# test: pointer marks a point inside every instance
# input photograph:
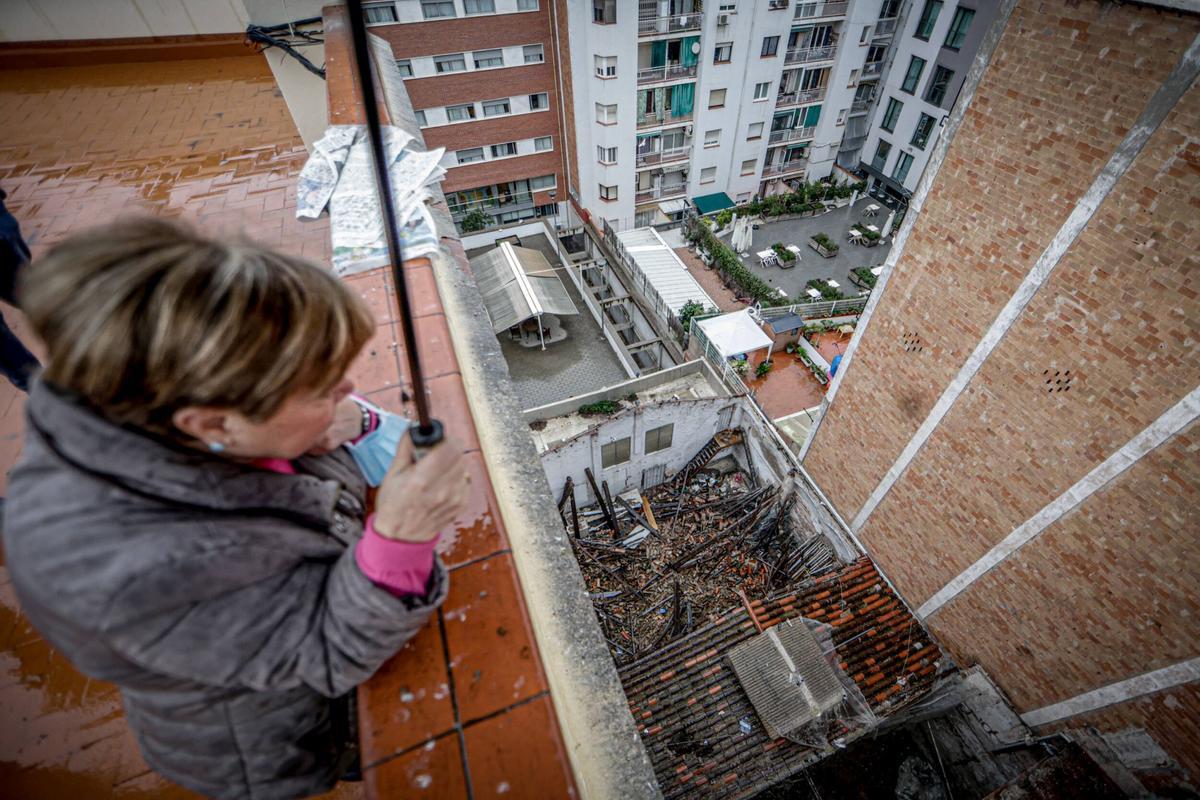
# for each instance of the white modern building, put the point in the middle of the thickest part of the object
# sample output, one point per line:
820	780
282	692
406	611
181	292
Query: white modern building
730	97
934	48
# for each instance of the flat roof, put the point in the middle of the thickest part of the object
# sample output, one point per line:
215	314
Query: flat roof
663	269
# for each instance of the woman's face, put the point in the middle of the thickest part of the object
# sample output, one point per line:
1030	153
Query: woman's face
294	429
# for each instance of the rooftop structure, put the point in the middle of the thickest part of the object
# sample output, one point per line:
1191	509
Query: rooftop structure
666	278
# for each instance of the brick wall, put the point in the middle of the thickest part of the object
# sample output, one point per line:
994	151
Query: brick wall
1108	591
478	33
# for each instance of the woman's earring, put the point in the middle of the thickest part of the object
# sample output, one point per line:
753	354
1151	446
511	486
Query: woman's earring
216	447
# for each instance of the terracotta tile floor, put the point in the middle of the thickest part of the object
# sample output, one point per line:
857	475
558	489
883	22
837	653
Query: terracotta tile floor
209	140
790	386
710	281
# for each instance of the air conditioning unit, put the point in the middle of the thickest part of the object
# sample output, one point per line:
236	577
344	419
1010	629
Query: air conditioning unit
724	19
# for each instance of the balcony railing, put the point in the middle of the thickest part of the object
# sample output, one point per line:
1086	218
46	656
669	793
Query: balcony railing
792	134
851	143
817	10
860	106
775	170
669	72
657	118
512	202
661	192
804	55
800	97
664	156
885	27
872	68
672	23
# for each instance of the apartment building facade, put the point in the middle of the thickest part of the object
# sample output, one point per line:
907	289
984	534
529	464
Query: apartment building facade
934	46
1014	433
483	82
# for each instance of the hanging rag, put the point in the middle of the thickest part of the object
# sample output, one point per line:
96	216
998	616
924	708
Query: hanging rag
339	175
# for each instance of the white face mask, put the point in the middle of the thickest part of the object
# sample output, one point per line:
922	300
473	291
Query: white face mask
374	452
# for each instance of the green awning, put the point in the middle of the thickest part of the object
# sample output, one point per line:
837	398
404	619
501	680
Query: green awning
709	203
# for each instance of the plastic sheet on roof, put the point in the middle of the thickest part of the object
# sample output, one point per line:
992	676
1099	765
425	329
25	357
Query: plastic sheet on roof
733	334
517	284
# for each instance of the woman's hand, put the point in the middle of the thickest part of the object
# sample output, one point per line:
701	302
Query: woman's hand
346	426
416	500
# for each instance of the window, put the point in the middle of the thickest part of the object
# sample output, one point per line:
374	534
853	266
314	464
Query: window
761	90
841	117
489	58
606	114
606	67
921	134
421	118
542	182
708	174
913	76
716	98
606	155
875	54
540	102
543	143
616	452
404	66
712	138
610	193
853	79
890	8
958	27
724	53
748	166
659	438
435	9
467	156
504	150
881	155
527	5
728	8
862	37
378	13
479	7
891	115
604	12
770	46
929	16
496	108
902	165
754	131
451	63
938	84
534	54
460	113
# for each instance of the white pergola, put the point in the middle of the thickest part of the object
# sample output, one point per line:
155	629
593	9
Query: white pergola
518	284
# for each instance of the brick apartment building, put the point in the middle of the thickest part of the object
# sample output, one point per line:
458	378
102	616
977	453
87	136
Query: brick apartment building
482	77
1015	433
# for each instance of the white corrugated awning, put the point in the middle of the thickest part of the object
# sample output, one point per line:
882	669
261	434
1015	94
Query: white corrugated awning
733	334
666	273
673	206
517	284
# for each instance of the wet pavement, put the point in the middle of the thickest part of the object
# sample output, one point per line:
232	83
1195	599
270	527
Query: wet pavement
208	140
790	386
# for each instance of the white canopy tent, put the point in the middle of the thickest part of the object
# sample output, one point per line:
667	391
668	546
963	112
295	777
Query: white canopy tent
518	284
736	333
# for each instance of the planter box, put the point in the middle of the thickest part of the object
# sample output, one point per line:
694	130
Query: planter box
824	253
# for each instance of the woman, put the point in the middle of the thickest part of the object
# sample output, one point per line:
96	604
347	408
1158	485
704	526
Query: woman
184	521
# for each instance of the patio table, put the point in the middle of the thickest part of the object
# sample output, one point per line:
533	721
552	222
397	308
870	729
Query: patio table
795	250
813	293
833	284
766	256
872	229
876	271
871	210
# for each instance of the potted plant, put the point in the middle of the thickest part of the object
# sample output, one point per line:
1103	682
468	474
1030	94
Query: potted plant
823	245
475	220
862	276
763	368
740	366
786	256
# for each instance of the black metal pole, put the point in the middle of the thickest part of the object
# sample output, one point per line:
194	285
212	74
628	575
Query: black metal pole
428	431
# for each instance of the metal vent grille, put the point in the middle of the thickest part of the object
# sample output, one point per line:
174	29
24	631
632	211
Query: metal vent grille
788	681
1057	380
912	342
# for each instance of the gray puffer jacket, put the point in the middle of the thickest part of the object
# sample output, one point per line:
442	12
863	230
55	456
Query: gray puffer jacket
224	600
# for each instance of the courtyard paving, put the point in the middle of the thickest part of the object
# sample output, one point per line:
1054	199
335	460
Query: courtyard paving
833	224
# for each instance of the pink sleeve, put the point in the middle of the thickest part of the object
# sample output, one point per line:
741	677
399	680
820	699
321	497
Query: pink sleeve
403	568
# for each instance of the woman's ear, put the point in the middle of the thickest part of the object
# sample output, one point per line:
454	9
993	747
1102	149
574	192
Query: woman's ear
204	423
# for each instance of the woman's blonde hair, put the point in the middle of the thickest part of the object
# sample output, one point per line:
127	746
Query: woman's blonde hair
144	317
